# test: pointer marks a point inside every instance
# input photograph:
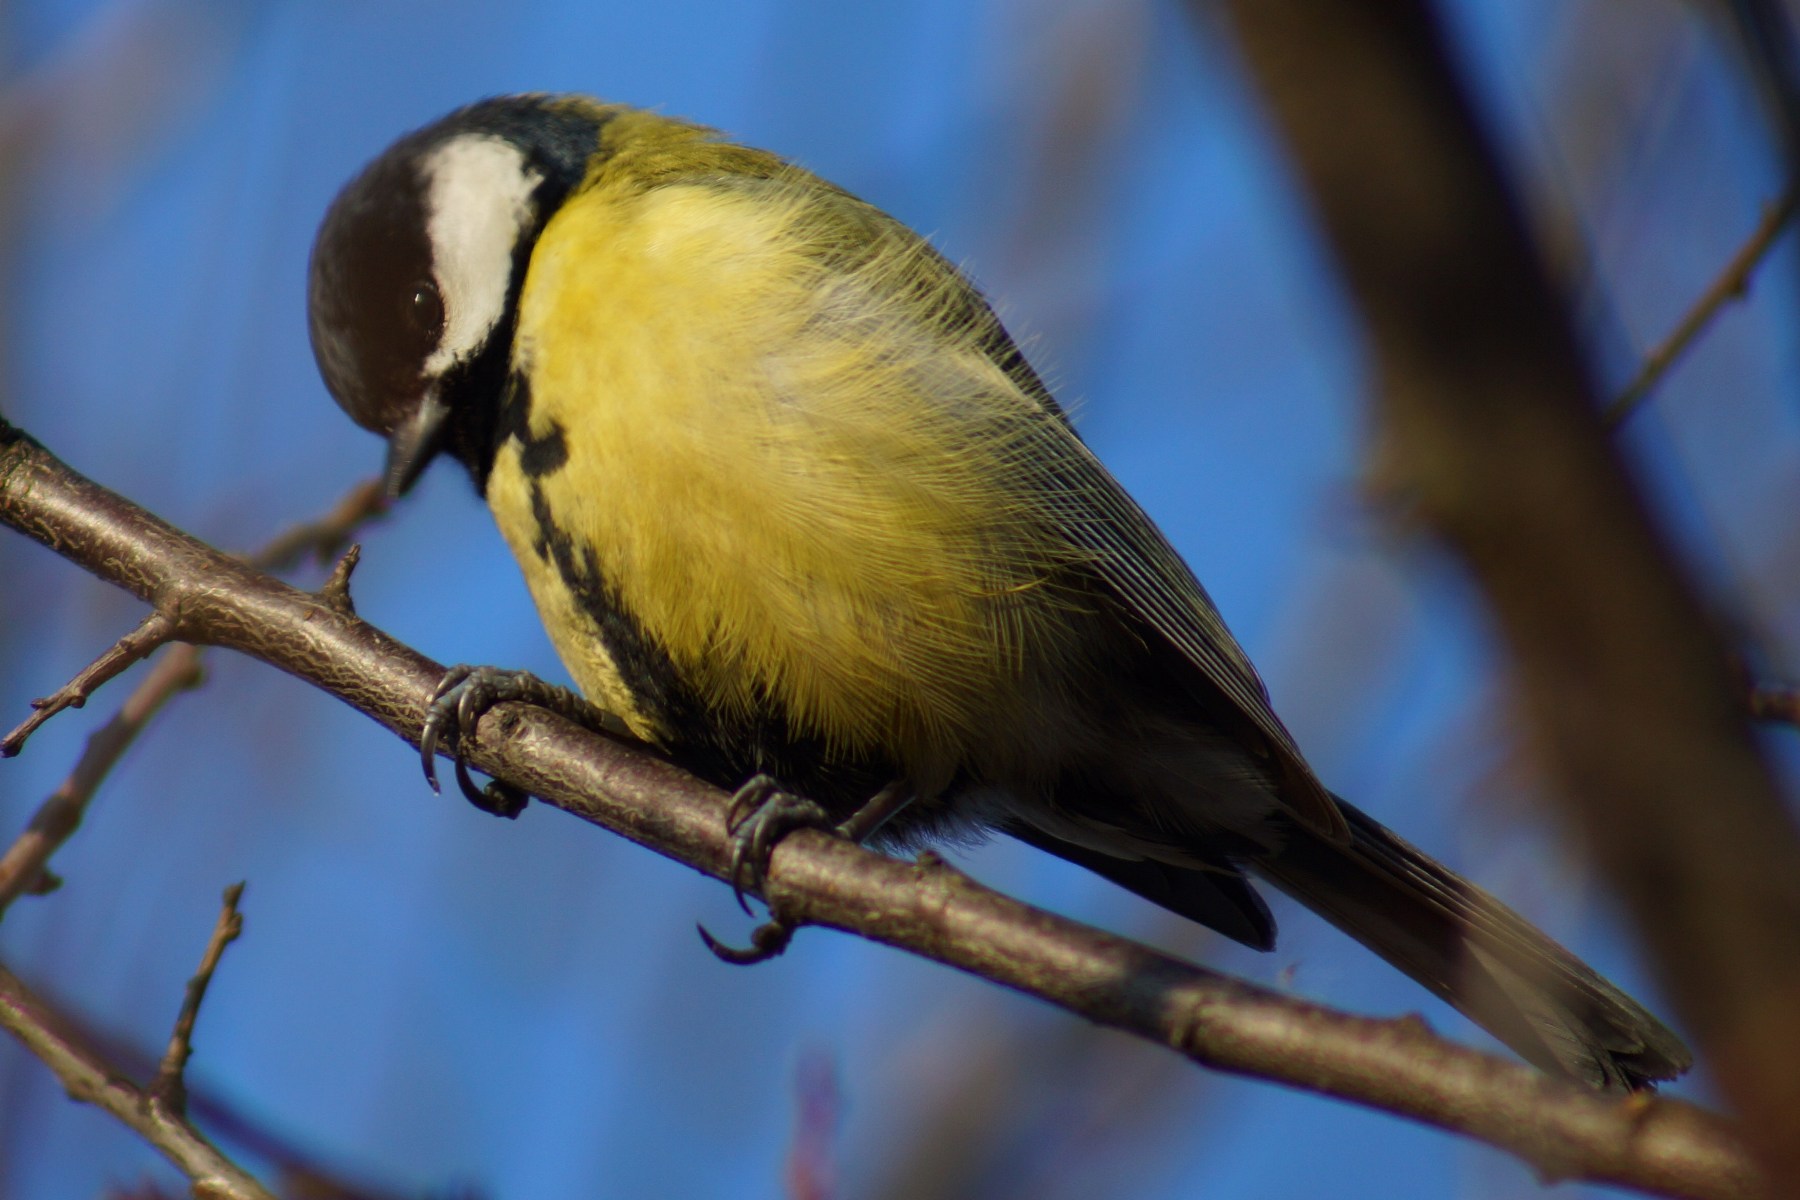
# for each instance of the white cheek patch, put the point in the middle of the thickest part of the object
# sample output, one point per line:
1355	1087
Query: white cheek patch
478	191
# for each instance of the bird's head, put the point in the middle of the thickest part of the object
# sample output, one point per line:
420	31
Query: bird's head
416	271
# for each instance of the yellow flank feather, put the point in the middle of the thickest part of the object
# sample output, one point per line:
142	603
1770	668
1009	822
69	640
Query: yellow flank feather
801	474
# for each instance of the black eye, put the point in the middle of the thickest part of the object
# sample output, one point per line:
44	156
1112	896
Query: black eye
426	311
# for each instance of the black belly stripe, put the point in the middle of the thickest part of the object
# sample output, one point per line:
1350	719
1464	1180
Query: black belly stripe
723	748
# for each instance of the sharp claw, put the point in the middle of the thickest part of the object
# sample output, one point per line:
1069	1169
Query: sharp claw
466	783
737	881
748	800
461	698
504	800
767	941
453	679
474	700
428	744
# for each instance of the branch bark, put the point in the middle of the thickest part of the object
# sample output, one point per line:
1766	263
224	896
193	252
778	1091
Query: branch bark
91	1079
1564	1131
1490	426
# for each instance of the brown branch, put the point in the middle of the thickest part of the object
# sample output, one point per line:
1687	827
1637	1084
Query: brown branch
23	866
169	1087
150	635
1561	1129
301	1173
1775	704
1731	284
325	537
1490	424
91	1080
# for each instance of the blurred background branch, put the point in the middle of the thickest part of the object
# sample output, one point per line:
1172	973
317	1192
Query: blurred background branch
94	1080
1489	425
1732	284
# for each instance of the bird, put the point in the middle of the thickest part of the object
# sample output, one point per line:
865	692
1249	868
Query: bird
797	513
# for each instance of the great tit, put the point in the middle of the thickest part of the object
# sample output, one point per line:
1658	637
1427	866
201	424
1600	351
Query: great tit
796	511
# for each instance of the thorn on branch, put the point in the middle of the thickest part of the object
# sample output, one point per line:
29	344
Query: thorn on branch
335	594
152	632
168	1090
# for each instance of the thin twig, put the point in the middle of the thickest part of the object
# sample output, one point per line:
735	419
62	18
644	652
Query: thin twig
1732	283
321	539
23	864
336	590
299	1170
1562	1129
152	632
92	1080
169	1087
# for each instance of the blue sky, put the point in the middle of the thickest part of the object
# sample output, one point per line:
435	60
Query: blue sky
426	998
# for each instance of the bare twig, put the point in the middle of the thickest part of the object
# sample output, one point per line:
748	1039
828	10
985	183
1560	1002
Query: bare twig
1731	284
93	1081
152	632
169	1088
23	866
302	1175
320	539
1489	425
336	590
1563	1130
56	820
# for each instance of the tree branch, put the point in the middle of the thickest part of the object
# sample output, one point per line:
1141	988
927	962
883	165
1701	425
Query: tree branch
92	1080
1490	425
1561	1129
168	1090
23	868
300	1173
1731	284
152	633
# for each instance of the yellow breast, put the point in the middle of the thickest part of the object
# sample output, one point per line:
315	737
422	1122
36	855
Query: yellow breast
792	465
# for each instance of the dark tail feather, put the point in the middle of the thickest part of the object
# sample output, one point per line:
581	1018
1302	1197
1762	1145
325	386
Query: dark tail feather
1476	954
1223	900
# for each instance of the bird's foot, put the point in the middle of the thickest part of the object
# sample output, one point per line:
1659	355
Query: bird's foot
457	705
767	941
762	812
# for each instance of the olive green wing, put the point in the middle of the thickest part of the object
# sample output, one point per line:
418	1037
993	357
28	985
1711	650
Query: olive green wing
1120	544
1137	564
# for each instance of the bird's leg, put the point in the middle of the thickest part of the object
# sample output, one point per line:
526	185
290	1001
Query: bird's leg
762	812
880	808
457	704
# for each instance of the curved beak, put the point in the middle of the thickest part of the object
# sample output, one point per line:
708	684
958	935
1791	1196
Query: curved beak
413	445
